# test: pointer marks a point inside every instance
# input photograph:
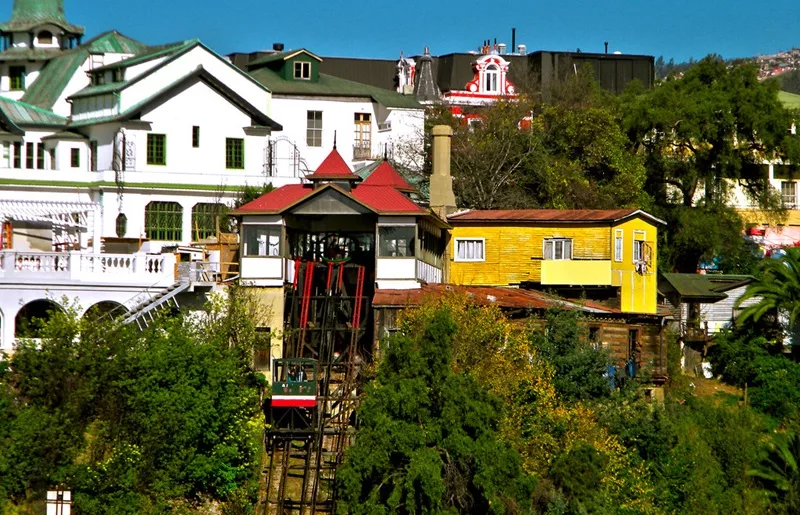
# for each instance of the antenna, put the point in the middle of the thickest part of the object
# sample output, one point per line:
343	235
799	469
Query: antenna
385	151
334	140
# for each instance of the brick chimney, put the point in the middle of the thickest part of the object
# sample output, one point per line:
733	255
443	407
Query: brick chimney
443	200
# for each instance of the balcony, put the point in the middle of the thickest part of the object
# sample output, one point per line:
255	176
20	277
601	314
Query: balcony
567	272
362	150
138	270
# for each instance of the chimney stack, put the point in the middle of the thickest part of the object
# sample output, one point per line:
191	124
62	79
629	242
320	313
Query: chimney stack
443	200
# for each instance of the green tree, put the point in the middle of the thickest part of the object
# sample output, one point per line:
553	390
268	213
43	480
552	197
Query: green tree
779	474
702	136
428	440
777	290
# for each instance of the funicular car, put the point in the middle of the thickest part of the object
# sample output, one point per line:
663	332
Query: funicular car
294	393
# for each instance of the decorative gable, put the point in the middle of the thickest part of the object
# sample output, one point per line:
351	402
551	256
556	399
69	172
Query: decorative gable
491	76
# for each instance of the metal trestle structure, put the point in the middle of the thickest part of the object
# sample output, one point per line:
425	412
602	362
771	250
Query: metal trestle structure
326	319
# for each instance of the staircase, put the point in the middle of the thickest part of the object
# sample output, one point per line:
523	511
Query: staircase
146	311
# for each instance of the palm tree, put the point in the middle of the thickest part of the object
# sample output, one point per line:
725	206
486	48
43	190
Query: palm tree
779	472
777	291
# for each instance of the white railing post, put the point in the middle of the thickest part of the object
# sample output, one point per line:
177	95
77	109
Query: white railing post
74	260
139	264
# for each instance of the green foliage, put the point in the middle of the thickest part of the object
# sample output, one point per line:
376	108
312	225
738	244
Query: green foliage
701	135
132	422
778	474
579	367
777	290
428	440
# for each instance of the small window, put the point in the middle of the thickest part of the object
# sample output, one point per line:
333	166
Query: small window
492	79
204	220
29	155
17	154
234	153
302	70
558	248
163	221
618	241
262	240
40	156
789	193
261	349
470	249
156	149
93	154
99	79
399	241
5	161
314	128
639	246
195	136
75	157
16	77
45	37
121	225
116	75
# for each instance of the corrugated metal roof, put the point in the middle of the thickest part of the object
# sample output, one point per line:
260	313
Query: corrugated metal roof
703	286
281	56
99	90
548	215
504	297
28	14
276	200
386	175
22	113
114	42
54	77
29	54
151	53
328	85
333	167
385	199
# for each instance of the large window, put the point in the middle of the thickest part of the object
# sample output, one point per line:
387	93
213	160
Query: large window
314	128
362	139
156	149
16	75
618	241
163	221
397	241
789	193
470	249
234	153
302	70
558	248
204	220
262	240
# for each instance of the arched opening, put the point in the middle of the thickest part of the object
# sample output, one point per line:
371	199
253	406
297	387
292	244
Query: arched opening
45	37
29	320
491	79
122	225
104	310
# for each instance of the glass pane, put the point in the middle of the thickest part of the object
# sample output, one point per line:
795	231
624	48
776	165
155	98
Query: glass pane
397	241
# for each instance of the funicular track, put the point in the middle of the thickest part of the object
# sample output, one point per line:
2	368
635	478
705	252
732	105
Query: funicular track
326	319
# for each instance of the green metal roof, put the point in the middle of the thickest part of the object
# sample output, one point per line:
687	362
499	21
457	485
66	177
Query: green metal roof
704	287
89	91
29	14
54	77
56	74
21	113
281	56
29	54
151	53
328	85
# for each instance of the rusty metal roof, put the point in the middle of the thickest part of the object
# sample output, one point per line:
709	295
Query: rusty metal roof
549	215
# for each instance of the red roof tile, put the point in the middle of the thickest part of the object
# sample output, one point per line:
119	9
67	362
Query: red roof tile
386	175
385	199
332	168
543	215
276	200
504	297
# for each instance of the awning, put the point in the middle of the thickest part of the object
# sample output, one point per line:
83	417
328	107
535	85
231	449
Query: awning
62	214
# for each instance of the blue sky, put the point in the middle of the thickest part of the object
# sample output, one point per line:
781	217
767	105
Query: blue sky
381	29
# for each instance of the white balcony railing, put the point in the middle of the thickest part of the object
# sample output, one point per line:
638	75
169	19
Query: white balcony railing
63	267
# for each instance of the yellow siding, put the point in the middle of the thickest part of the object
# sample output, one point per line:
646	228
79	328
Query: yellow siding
638	288
514	254
270	313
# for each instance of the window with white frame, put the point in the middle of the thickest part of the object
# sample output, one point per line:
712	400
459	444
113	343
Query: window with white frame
470	249
397	241
262	240
558	248
639	246
491	78
314	128
618	242
302	70
789	193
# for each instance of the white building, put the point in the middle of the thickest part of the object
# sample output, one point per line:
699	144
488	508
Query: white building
111	151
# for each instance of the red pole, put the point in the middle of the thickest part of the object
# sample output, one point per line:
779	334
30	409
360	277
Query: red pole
330	274
307	294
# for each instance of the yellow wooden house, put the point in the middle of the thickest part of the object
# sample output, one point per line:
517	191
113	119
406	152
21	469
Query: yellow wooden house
600	254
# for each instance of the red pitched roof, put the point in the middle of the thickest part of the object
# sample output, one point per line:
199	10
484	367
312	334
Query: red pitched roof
385	199
547	215
277	200
332	168
504	297
386	175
